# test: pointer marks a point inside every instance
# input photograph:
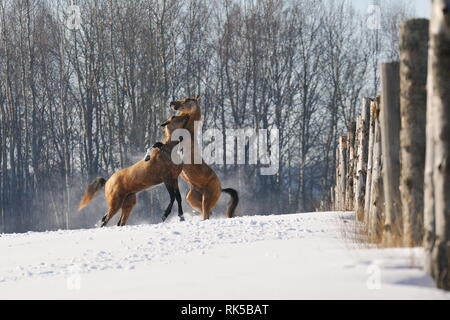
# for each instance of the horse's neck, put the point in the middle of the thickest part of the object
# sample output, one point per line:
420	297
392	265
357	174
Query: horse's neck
197	114
167	138
193	117
189	126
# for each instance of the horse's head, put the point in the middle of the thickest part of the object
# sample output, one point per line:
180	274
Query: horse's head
148	155
174	123
188	106
170	125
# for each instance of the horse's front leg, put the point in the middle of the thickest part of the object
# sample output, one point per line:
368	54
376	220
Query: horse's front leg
172	200
180	207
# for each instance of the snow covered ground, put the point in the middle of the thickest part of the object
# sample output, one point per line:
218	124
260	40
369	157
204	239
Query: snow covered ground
302	256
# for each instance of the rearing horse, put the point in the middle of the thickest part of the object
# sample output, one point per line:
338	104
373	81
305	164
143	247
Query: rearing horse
205	188
122	186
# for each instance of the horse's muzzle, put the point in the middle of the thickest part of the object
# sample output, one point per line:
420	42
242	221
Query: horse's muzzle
174	105
147	155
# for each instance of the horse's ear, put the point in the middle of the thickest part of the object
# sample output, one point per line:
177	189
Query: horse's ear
197	98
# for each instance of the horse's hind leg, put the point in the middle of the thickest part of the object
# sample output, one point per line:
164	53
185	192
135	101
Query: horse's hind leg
194	198
108	215
209	201
127	205
114	206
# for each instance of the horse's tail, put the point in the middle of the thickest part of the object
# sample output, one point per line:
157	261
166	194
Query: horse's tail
233	203
91	190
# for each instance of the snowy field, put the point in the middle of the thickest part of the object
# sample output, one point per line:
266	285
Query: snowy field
303	256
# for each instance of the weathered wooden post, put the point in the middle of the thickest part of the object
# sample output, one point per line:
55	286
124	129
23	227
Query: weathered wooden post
413	101
377	203
336	185
356	161
332	200
390	138
362	158
349	191
367	202
437	166
342	174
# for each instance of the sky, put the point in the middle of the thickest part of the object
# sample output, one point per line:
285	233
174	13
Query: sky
422	7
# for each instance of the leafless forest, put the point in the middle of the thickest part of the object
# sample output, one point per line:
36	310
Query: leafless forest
76	104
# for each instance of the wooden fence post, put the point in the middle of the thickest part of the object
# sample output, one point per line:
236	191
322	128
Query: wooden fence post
413	101
367	201
377	204
342	174
390	137
362	158
356	162
336	185
349	192
332	200
437	167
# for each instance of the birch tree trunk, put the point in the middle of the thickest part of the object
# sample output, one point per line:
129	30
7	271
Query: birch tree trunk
413	101
437	171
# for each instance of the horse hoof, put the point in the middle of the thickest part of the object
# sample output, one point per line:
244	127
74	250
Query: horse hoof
164	218
182	219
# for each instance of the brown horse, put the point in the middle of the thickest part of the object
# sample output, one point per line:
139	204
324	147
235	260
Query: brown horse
205	188
122	186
